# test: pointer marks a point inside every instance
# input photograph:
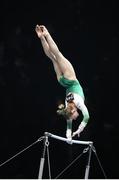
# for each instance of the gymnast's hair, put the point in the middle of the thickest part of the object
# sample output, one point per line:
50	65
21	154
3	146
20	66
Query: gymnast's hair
65	111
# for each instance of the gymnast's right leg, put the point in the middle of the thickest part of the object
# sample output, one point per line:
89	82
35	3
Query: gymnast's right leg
65	66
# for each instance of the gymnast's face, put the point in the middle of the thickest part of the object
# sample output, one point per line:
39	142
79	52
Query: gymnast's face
73	111
75	114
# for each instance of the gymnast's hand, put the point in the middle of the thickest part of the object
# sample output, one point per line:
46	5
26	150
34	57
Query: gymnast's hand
76	133
80	129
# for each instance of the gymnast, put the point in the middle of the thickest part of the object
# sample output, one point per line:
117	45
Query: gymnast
66	76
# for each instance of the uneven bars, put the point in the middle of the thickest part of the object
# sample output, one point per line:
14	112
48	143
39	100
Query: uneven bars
66	140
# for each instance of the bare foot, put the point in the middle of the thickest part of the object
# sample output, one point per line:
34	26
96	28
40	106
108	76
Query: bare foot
39	31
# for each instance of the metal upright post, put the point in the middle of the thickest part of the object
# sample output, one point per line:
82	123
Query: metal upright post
88	163
42	161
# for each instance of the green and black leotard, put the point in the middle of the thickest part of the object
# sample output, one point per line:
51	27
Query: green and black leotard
74	88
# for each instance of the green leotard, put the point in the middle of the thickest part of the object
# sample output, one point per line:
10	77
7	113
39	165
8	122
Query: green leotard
71	86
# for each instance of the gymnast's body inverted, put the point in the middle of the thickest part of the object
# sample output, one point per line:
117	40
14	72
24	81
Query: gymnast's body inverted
67	78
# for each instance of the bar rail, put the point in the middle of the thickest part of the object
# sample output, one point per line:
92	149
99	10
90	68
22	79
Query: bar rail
66	140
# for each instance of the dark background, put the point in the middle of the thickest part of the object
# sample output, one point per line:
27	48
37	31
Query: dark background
86	32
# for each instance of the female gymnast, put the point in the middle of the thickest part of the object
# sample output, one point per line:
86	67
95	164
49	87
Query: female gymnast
67	78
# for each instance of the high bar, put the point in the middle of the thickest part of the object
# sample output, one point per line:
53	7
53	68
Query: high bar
66	140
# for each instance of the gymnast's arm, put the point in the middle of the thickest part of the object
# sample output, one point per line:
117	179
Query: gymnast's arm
85	120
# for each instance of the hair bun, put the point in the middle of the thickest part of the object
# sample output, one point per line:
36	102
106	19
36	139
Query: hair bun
61	106
61	109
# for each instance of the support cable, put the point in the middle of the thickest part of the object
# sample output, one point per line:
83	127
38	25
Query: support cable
94	150
79	156
8	160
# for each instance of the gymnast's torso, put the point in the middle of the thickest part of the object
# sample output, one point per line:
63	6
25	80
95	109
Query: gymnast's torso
72	86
